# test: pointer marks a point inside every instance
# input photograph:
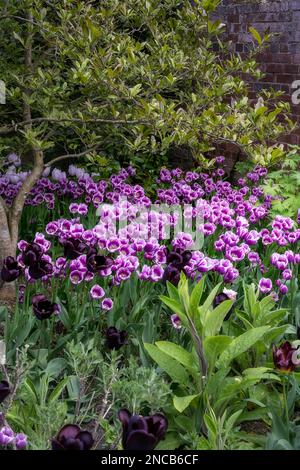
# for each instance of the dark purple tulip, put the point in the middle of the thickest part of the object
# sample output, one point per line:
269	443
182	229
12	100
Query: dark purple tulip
283	357
4	390
43	308
71	437
40	269
96	263
115	339
219	299
32	254
174	258
142	433
73	248
172	274
10	270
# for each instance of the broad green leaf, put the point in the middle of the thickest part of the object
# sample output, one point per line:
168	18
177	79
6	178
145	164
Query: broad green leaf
214	346
175	370
172	291
170	442
175	307
274	333
176	352
214	318
55	366
241	344
181	403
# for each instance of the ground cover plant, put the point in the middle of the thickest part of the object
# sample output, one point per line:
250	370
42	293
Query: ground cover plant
138	327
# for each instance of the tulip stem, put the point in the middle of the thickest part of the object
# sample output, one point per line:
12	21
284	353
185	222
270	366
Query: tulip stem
284	392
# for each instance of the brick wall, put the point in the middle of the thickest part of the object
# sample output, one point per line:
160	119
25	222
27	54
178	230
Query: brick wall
281	61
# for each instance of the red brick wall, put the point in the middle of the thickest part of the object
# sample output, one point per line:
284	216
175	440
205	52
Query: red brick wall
281	62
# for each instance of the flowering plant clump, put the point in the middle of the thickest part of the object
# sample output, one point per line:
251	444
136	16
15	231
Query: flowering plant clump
201	263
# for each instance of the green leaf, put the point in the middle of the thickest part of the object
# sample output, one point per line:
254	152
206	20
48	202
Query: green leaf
172	291
241	344
134	91
55	366
177	373
183	290
256	35
170	442
196	297
176	352
55	394
203	309
181	403
173	305
214	318
230	422
214	346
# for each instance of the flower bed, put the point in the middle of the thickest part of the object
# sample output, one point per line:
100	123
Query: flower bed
197	279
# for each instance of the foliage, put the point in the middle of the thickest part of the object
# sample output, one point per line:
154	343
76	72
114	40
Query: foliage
127	81
284	184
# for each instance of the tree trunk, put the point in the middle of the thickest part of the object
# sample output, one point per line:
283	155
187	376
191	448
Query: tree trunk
9	224
7	290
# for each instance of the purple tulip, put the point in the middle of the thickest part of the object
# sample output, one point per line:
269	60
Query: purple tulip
73	248
10	270
115	339
283	357
43	308
176	322
107	304
265	285
142	433
71	437
96	263
97	292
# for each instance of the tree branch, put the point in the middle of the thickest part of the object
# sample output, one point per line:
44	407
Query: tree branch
19	201
15	126
71	155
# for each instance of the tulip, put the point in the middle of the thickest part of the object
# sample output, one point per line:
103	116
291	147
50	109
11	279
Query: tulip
40	269
97	263
142	433
4	390
71	437
10	270
97	292
283	357
73	248
176	322
172	275
265	285
107	304
115	339
43	308
32	254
